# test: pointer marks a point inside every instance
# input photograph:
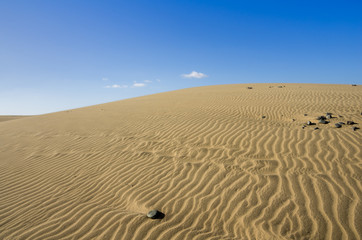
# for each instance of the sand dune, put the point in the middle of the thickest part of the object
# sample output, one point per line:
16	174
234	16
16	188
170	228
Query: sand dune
10	117
203	156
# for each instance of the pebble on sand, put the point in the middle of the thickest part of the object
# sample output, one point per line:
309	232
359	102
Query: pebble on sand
338	125
155	214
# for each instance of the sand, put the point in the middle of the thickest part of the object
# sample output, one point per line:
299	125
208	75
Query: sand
10	117
203	156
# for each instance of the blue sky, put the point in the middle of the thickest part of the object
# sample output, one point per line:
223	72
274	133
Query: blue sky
57	55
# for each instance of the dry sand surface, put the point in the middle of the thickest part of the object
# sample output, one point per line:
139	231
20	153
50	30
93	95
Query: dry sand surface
203	156
10	117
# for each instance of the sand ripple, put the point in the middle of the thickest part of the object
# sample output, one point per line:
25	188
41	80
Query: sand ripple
203	156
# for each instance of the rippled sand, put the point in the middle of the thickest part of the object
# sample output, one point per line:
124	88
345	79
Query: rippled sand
203	156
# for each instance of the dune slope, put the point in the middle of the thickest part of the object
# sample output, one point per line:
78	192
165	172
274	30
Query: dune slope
203	156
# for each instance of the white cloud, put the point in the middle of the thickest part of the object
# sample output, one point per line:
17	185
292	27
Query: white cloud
139	84
194	74
147	81
116	86
104	79
158	80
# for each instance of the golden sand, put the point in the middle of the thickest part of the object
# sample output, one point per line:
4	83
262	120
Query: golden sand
203	156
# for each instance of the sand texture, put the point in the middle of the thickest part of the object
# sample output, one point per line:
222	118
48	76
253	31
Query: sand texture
203	156
10	117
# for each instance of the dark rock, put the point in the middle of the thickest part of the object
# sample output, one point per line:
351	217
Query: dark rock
338	125
322	121
263	117
329	116
309	123
355	128
342	123
305	114
354	85
250	88
321	118
350	123
316	128
155	214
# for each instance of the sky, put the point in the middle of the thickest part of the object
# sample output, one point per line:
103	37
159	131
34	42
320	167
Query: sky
57	55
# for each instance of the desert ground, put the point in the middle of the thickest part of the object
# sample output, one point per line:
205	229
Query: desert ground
221	162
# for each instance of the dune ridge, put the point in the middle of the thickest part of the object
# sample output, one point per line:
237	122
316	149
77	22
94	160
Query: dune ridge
204	156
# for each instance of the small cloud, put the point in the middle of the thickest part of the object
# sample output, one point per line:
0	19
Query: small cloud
147	81
104	79
139	84
194	74
116	86
158	80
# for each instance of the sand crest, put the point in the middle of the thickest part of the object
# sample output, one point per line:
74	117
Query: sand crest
203	156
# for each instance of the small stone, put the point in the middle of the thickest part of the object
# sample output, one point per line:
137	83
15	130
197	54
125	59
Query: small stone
342	123
309	123
155	214
322	121
354	85
354	128
350	122
321	118
338	125
250	88
263	117
316	128
329	116
305	114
